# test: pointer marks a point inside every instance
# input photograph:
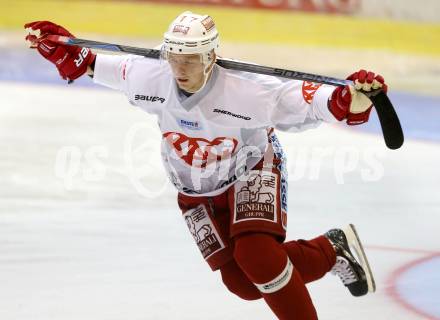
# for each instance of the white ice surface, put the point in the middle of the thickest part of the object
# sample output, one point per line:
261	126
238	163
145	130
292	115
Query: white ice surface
94	248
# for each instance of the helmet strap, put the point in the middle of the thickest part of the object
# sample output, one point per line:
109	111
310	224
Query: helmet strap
206	71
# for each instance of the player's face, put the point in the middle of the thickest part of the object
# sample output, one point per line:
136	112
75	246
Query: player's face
188	70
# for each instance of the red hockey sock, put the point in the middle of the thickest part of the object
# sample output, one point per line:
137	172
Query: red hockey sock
313	258
238	283
266	264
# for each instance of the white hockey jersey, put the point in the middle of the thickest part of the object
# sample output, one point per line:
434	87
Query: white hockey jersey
212	137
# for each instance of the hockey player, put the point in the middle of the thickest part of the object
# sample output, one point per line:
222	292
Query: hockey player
221	153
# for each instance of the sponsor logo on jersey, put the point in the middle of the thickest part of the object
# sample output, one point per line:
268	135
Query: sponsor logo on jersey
193	125
279	154
149	98
309	89
203	231
228	113
255	197
200	152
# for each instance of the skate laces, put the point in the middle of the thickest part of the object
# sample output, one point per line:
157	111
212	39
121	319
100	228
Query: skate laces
343	269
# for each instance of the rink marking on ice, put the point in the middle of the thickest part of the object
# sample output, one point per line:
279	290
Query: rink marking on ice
392	286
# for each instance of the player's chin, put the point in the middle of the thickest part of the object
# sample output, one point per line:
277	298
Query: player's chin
184	86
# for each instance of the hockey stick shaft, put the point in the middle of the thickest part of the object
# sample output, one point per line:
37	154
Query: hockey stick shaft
225	63
391	128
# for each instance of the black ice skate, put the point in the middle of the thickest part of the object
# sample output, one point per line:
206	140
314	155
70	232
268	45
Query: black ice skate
354	273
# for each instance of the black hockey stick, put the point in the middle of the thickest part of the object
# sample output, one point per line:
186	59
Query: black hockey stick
391	129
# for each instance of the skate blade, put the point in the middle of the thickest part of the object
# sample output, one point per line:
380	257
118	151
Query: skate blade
355	243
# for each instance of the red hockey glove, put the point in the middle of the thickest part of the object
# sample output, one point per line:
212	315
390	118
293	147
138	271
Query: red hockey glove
71	62
349	103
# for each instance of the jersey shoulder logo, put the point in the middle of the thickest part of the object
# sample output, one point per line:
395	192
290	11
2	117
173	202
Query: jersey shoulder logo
124	71
309	89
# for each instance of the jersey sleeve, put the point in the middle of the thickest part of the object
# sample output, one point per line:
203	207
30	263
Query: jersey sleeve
110	71
137	77
301	105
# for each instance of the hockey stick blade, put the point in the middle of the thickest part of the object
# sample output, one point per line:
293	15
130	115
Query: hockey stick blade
389	121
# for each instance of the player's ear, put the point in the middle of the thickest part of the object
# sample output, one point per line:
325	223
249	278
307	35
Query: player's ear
213	55
213	58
